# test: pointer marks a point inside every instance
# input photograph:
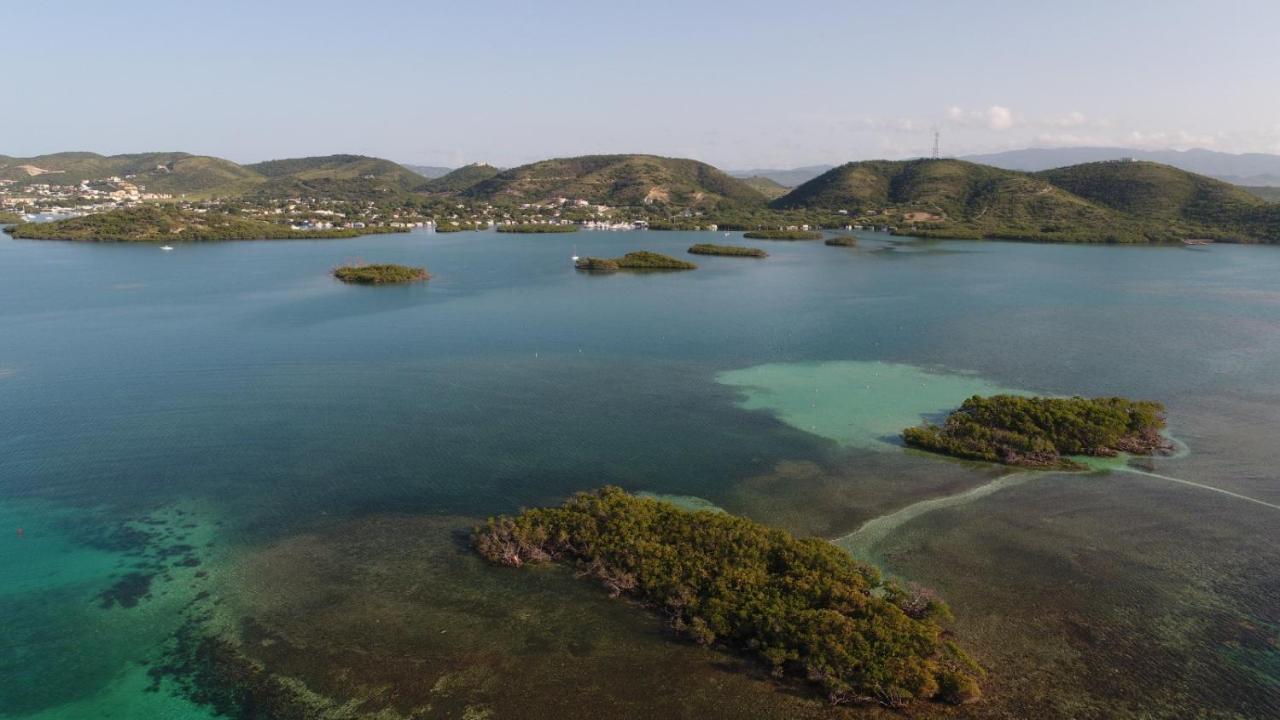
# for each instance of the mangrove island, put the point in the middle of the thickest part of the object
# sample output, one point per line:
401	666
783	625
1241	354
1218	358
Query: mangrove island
161	223
842	241
803	606
535	228
1043	432
727	250
782	235
382	274
642	260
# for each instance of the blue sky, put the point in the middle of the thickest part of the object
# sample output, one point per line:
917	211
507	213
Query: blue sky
737	84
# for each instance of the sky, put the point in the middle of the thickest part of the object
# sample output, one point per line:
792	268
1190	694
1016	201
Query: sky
740	84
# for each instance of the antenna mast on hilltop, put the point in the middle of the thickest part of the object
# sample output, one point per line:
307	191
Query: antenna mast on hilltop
936	135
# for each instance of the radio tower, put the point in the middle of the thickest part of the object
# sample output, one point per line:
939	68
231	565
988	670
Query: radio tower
935	143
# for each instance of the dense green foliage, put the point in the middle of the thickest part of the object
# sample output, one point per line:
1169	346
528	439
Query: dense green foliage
1116	202
1039	432
536	228
159	223
8	217
729	250
805	607
631	180
599	265
642	260
842	241
379	274
782	235
645	260
460	179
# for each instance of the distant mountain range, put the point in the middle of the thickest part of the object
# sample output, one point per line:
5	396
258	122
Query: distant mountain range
1247	169
430	172
786	178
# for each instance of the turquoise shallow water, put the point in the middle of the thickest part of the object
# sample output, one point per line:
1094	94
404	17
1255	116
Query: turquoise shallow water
239	384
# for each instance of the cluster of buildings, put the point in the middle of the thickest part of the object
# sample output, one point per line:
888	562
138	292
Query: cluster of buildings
89	196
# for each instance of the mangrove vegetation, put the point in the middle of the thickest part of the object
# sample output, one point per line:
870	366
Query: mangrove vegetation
642	260
535	228
804	607
160	223
380	274
727	250
782	235
1043	432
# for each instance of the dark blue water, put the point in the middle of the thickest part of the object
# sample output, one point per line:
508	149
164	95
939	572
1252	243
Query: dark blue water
239	384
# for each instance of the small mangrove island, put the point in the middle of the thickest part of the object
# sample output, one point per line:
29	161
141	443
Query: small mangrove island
159	223
381	274
1042	432
727	250
803	606
642	260
842	241
536	228
782	235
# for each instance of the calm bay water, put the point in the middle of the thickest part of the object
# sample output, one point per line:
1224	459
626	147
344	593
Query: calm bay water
222	433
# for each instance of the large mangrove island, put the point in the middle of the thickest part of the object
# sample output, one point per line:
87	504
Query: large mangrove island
803	606
782	235
380	274
536	228
161	223
727	250
1043	432
642	260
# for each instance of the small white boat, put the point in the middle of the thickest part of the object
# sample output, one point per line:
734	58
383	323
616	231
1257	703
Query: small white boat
726	234
166	247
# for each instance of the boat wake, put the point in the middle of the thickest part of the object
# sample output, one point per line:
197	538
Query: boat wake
861	541
1202	486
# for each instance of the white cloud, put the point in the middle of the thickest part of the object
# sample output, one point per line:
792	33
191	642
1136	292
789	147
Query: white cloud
996	117
1071	119
999	118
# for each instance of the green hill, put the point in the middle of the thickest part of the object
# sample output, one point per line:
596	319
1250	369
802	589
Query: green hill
1151	190
335	177
1098	202
619	180
460	179
174	172
770	189
340	167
